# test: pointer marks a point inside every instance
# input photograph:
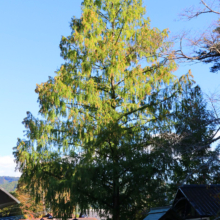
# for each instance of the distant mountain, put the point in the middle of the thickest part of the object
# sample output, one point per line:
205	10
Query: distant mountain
8	183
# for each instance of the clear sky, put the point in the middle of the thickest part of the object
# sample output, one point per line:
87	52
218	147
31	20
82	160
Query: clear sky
30	33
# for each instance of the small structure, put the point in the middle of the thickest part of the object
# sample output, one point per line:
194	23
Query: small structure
197	201
92	213
6	199
87	218
156	213
162	213
17	217
192	202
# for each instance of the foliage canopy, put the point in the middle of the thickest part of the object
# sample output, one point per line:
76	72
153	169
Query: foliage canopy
101	112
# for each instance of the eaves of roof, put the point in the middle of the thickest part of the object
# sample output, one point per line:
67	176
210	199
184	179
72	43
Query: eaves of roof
6	199
205	199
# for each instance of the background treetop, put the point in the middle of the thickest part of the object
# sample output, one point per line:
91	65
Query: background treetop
205	46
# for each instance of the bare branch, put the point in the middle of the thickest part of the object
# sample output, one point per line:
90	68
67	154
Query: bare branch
207	164
210	9
193	12
205	47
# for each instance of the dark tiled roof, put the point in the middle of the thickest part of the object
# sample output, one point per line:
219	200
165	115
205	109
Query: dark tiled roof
17	217
87	218
156	213
6	199
204	198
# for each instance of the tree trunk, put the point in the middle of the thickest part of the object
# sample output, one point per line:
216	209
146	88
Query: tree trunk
116	205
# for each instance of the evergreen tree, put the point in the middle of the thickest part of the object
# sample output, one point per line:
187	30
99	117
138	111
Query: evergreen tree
102	111
195	161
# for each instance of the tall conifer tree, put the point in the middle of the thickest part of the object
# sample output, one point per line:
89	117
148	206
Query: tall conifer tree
197	161
100	110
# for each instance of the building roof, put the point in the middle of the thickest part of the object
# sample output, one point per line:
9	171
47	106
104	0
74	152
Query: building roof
87	218
156	213
6	199
204	198
17	217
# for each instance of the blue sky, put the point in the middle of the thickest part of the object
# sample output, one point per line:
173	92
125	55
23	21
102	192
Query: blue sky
30	33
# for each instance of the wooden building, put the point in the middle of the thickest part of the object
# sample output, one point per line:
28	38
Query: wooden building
6	199
192	202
